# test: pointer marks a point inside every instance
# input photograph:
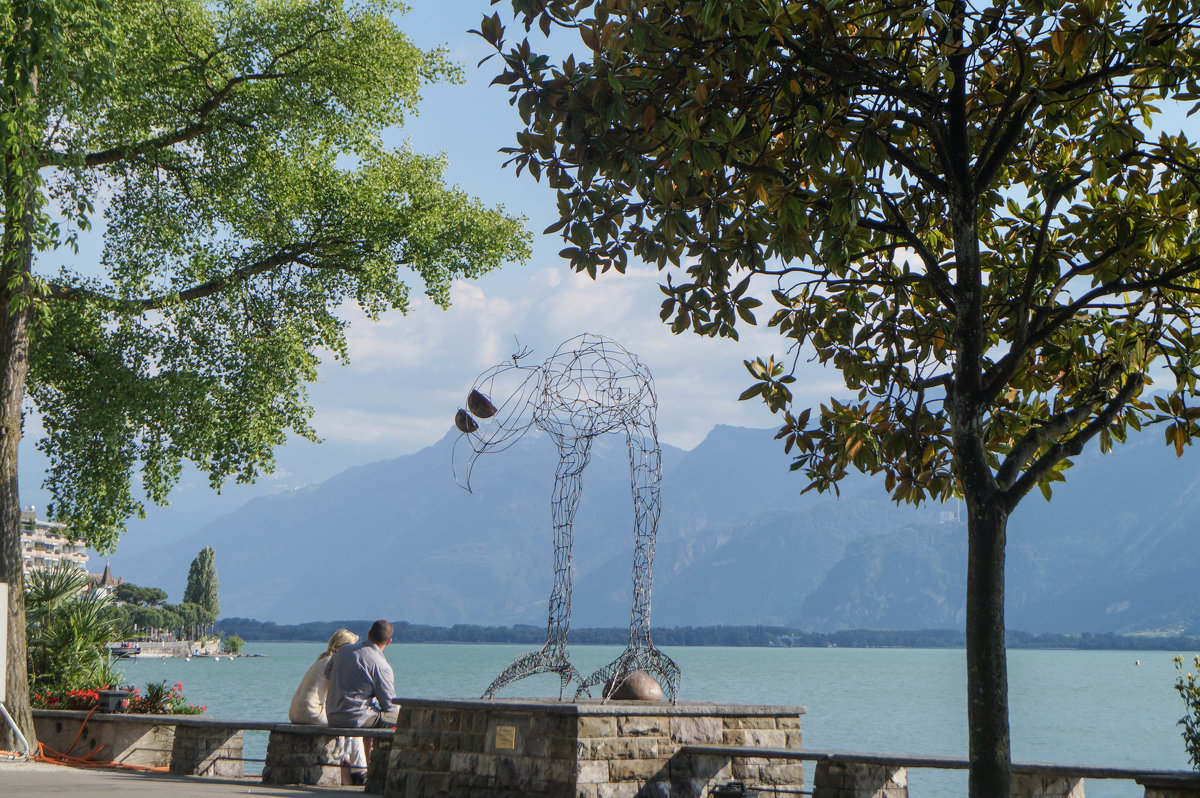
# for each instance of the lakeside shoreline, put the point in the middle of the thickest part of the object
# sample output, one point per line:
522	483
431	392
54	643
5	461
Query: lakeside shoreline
749	636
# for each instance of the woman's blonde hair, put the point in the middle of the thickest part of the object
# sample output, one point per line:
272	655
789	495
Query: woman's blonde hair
340	638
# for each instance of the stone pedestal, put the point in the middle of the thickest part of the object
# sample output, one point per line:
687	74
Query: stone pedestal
840	779
1046	785
860	780
302	759
208	750
446	748
1181	785
377	768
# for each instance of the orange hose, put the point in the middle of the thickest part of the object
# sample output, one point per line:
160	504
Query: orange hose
79	733
50	756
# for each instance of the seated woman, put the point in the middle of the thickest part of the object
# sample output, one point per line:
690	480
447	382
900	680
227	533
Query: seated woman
308	705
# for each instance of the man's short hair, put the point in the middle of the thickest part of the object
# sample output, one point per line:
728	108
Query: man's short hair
381	632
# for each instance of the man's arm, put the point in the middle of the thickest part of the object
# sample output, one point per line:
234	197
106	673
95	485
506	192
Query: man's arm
384	684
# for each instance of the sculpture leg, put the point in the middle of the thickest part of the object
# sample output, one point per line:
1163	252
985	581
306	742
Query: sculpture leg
552	657
646	475
548	659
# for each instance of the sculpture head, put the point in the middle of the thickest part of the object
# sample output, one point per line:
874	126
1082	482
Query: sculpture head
500	409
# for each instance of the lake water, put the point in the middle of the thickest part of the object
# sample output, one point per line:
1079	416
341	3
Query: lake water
1075	707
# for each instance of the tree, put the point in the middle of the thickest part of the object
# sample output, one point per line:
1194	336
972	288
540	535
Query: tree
959	206
229	154
140	596
193	619
171	620
233	644
142	620
202	582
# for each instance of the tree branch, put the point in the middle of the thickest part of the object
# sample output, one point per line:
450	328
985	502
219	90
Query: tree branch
1074	444
66	293
197	128
1000	143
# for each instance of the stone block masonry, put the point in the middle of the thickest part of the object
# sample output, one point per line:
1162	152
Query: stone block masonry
541	748
302	759
209	750
146	740
860	780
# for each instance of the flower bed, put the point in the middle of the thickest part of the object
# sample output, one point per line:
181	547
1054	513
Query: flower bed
159	699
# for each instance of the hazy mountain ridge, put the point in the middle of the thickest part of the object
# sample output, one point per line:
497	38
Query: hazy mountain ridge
738	544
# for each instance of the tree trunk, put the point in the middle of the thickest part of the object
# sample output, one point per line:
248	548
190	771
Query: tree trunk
987	511
16	675
16	263
14	365
987	661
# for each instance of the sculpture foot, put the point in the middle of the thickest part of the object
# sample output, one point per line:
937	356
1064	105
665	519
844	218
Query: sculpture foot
544	660
638	657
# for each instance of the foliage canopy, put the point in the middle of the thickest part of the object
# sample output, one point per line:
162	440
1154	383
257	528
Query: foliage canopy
962	207
230	155
140	596
912	186
230	158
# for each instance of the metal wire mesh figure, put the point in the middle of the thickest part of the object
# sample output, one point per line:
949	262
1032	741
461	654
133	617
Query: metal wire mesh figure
590	386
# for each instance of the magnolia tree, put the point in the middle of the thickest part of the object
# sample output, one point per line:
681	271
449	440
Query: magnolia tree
962	207
229	155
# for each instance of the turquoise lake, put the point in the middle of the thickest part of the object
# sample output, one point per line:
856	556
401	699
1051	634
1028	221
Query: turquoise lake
1076	707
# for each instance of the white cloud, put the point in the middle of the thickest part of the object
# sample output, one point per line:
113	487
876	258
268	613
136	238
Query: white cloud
408	374
406	432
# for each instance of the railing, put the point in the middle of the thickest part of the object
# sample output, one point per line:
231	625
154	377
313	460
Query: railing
843	774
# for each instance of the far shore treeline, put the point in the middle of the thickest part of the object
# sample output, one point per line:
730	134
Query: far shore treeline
320	631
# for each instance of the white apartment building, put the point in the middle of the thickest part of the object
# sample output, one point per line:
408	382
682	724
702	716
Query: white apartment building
45	544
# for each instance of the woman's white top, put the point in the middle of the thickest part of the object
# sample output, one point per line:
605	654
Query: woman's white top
308	704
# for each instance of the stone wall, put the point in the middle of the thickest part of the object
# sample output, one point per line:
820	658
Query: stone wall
582	749
129	739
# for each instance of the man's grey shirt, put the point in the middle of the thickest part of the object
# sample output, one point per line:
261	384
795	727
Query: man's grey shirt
359	675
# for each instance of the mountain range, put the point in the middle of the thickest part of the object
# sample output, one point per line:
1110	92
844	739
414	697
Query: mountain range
738	543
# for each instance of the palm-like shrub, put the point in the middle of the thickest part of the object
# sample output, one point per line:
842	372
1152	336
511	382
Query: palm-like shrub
68	632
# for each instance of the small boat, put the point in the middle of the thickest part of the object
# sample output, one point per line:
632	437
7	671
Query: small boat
124	650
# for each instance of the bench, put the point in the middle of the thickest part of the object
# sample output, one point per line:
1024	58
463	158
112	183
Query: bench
297	753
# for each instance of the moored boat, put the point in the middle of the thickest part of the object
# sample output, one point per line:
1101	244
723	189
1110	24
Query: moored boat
124	650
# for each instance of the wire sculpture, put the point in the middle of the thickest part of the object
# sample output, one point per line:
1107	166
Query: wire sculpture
590	386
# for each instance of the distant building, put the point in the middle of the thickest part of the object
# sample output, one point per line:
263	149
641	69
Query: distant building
104	582
45	544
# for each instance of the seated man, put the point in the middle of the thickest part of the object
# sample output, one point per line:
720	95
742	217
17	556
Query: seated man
361	686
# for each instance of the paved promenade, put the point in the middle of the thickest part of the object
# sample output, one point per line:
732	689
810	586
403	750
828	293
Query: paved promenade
35	779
